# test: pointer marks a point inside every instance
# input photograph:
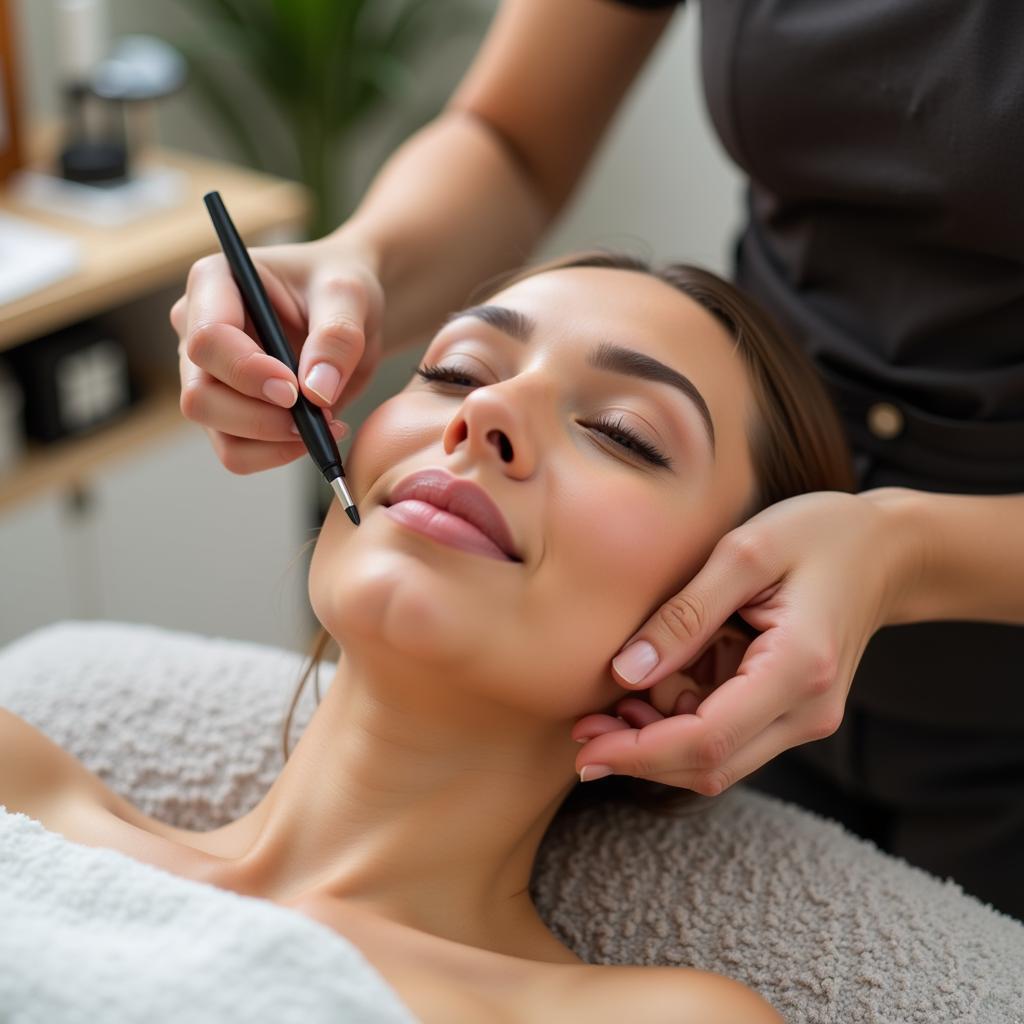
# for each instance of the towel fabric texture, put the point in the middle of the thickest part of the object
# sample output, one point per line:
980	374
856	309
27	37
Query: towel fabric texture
820	922
91	935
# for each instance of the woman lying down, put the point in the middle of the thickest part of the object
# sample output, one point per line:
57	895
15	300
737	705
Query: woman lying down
605	425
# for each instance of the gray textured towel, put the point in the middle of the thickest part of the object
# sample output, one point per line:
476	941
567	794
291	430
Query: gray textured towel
823	924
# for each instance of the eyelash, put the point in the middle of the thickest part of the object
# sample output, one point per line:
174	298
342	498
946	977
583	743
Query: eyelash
615	430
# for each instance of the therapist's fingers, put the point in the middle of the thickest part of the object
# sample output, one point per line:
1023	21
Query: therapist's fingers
712	781
769	680
223	410
225	415
637	713
778	677
678	693
344	312
736	574
596	725
215	339
591	726
776	681
179	315
242	456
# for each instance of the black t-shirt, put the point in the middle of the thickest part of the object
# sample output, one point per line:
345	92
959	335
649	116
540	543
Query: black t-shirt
884	145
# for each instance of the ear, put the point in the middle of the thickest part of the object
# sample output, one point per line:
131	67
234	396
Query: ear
720	659
713	666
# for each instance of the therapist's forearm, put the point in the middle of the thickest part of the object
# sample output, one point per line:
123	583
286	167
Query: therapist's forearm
450	209
969	555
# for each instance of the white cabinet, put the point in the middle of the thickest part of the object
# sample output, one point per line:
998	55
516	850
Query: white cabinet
36	581
169	538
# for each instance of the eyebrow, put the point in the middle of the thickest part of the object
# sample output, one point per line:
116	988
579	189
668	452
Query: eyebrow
606	356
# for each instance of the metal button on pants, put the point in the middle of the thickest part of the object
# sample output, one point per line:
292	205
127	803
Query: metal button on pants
885	420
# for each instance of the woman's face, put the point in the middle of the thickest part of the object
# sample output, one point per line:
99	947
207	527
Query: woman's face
541	422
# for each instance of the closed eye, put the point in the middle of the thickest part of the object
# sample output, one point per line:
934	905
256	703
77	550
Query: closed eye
616	430
447	375
629	439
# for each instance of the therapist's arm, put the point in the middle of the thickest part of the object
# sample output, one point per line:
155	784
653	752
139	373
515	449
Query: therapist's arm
464	199
970	563
470	194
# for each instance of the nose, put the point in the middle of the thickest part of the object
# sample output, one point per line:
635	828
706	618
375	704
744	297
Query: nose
492	424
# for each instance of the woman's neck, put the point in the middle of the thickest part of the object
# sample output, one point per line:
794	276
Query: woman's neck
418	799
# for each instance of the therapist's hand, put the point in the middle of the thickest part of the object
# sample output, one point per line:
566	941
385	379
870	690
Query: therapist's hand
816	575
330	304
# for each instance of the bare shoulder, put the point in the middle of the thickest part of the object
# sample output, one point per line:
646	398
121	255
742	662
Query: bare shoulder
37	775
32	766
669	995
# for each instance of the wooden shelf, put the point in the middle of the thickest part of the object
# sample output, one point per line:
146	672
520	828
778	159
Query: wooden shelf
66	463
122	263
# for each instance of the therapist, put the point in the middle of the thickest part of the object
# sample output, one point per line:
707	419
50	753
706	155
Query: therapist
885	230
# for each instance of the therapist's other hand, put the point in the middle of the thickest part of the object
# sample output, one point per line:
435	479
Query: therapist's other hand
330	304
816	575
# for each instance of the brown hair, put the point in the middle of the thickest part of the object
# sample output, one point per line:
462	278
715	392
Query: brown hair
796	444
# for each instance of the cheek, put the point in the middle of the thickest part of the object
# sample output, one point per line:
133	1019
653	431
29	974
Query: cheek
362	582
359	585
396	429
622	546
614	555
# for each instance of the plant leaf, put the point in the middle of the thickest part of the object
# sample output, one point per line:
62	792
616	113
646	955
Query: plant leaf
221	103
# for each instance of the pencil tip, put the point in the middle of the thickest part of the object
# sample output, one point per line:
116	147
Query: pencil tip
353	514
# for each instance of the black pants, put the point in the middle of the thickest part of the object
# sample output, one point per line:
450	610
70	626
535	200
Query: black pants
948	801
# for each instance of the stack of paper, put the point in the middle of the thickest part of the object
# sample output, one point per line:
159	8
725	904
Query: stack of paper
32	257
110	205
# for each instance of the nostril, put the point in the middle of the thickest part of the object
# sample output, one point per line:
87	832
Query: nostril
504	445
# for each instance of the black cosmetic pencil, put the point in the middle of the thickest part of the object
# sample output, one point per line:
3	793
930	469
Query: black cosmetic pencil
309	418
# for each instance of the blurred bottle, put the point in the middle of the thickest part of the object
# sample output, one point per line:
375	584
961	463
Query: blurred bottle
95	149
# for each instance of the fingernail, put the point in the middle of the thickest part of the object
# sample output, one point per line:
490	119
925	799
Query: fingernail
325	381
583	739
280	392
636	662
295	430
589	772
338	428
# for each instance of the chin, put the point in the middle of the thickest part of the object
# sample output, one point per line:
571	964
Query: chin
392	599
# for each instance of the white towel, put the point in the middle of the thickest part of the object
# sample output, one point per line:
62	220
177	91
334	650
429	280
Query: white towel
90	935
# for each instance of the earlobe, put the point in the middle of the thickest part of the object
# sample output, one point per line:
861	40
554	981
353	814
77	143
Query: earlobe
730	645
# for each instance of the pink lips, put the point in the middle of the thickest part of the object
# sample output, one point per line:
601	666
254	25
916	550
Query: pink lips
453	511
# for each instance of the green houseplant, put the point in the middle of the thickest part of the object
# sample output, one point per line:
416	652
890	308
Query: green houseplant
323	67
